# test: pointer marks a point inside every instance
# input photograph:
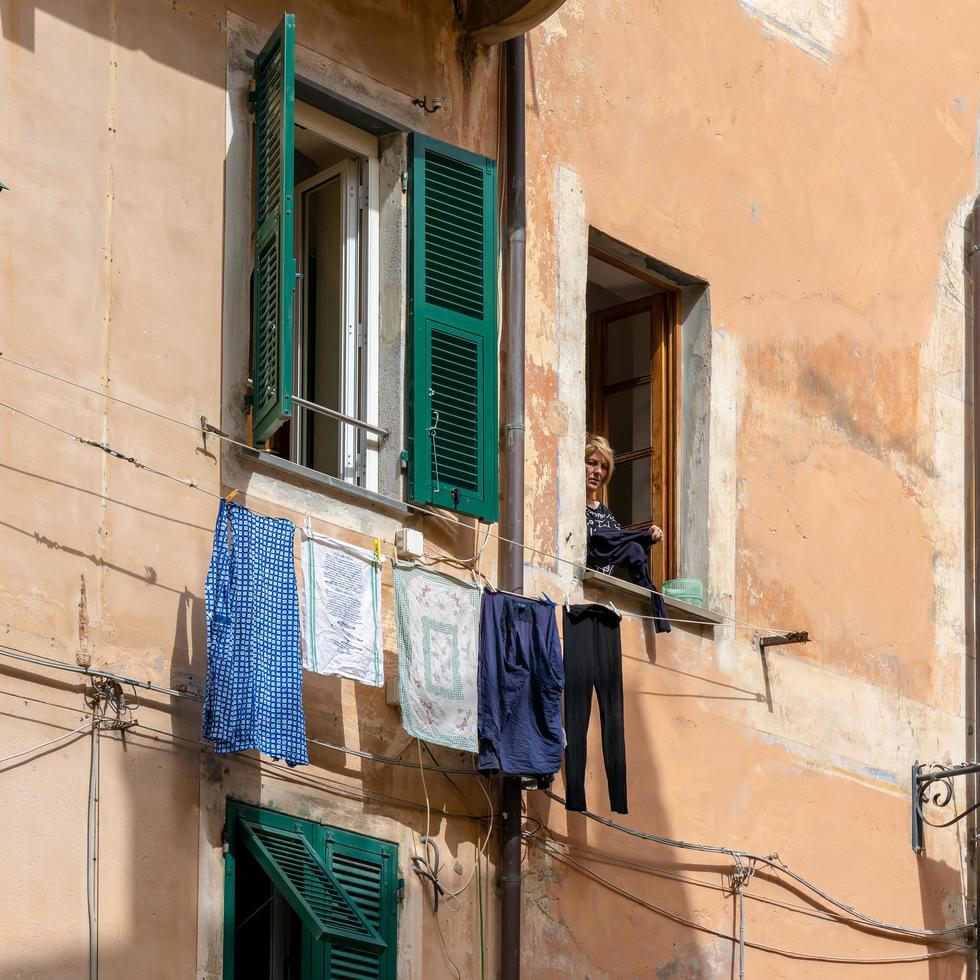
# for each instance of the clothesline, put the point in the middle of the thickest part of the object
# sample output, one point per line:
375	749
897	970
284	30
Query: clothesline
25	657
206	429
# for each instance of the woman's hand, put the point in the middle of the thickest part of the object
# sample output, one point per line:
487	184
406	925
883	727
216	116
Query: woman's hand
656	533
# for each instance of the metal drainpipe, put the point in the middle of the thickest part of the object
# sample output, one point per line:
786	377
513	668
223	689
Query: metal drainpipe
510	557
975	419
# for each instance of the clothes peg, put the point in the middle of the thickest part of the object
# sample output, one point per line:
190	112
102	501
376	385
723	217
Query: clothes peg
614	609
378	557
231	496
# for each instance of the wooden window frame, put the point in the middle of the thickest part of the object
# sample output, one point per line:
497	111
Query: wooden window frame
664	379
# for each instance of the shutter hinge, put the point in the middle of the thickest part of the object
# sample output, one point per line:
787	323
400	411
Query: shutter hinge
361	335
362	198
400	891
404	181
251	96
403	459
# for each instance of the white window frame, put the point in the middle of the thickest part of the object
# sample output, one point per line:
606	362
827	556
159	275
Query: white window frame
361	300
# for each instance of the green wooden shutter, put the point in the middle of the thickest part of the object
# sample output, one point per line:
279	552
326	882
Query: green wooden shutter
368	870
453	366
308	884
274	271
364	868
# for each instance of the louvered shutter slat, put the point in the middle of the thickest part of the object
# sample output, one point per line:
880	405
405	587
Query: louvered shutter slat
310	886
360	866
453	383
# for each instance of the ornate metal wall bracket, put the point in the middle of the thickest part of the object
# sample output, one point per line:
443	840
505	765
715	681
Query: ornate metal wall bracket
934	785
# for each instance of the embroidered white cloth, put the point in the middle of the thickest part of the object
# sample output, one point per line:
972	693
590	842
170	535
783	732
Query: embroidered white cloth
438	638
341	606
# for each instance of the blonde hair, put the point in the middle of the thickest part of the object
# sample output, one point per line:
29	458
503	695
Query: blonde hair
600	444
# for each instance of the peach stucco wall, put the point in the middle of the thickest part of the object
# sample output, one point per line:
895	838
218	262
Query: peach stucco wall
815	163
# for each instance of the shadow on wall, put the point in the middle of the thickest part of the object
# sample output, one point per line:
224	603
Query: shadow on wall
563	935
971	543
940	886
130	27
344	712
140	27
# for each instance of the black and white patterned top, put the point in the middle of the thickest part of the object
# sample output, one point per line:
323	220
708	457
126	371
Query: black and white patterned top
600	517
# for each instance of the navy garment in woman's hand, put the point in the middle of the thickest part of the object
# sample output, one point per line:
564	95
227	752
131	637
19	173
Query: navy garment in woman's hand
628	549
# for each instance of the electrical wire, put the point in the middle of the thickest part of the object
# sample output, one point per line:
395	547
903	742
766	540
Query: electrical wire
206	429
92	853
387	760
670	842
43	745
192	484
100	394
304	778
825	915
773	862
776	950
445	948
95	672
479	858
481	850
428	870
190	695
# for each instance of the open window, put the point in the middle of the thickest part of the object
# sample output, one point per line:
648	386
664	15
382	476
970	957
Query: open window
315	300
304	901
633	397
315	279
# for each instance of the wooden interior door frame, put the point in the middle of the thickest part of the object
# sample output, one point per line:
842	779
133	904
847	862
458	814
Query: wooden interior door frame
664	400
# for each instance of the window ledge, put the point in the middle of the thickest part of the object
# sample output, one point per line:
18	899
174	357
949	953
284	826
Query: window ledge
295	472
675	607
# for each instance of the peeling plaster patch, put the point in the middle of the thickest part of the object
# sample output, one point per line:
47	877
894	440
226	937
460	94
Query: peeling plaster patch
723	499
813	26
707	960
554	29
84	655
572	240
942	425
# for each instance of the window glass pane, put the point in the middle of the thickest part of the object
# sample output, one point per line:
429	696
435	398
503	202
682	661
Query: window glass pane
628	419
323	305
629	492
628	351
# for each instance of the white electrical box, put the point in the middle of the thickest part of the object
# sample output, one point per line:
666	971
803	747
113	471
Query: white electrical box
409	543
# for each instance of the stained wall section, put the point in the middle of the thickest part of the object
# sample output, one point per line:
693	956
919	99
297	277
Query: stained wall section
766	149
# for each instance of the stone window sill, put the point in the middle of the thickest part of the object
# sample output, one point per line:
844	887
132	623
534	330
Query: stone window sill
676	608
295	473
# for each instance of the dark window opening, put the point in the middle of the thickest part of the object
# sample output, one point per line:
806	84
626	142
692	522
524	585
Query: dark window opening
633	397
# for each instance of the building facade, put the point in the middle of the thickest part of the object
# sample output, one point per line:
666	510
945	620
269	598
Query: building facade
749	235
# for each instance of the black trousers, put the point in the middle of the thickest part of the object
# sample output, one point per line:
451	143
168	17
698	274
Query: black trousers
593	659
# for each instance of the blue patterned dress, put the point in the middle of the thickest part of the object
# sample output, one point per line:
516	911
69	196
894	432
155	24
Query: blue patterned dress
253	695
